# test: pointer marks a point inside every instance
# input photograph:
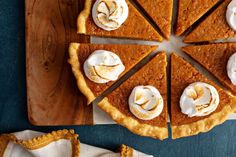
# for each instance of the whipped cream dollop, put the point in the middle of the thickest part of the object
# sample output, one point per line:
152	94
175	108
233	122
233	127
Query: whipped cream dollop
199	99
231	14
146	102
231	68
110	14
103	66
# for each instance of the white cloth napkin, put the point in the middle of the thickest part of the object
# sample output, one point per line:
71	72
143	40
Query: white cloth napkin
61	143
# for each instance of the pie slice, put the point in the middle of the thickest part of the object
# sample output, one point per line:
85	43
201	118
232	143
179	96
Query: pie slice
130	55
189	11
214	27
214	57
183	74
117	106
135	26
160	12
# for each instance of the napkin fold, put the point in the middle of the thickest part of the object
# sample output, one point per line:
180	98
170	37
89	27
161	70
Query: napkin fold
61	143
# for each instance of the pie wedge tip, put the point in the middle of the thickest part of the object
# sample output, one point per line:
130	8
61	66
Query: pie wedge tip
163	18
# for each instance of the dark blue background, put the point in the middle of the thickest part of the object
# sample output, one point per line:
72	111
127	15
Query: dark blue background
220	142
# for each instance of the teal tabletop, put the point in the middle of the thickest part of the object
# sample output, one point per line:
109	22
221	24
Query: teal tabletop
219	142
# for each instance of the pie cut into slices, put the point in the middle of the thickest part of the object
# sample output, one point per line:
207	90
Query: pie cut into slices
214	57
117	106
214	27
160	12
189	11
183	74
130	55
135	26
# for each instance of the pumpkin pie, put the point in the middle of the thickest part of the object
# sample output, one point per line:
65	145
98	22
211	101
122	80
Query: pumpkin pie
214	27
121	104
189	11
214	57
130	55
163	18
183	74
135	26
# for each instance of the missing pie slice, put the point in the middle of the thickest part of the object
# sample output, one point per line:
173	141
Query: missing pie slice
184	74
214	27
129	55
214	57
189	11
160	12
142	113
115	20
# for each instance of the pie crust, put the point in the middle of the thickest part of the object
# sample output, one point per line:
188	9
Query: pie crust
3	144
42	141
126	151
75	65
132	124
204	125
82	18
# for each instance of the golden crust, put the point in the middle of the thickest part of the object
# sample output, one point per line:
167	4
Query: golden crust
126	151
132	124
83	16
81	83
43	140
203	125
3	144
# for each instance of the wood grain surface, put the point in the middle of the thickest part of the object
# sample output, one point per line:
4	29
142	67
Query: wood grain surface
53	97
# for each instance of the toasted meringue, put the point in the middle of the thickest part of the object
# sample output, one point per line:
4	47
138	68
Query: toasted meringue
110	14
145	102
103	66
199	99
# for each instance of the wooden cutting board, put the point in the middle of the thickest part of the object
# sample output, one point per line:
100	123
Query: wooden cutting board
52	94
